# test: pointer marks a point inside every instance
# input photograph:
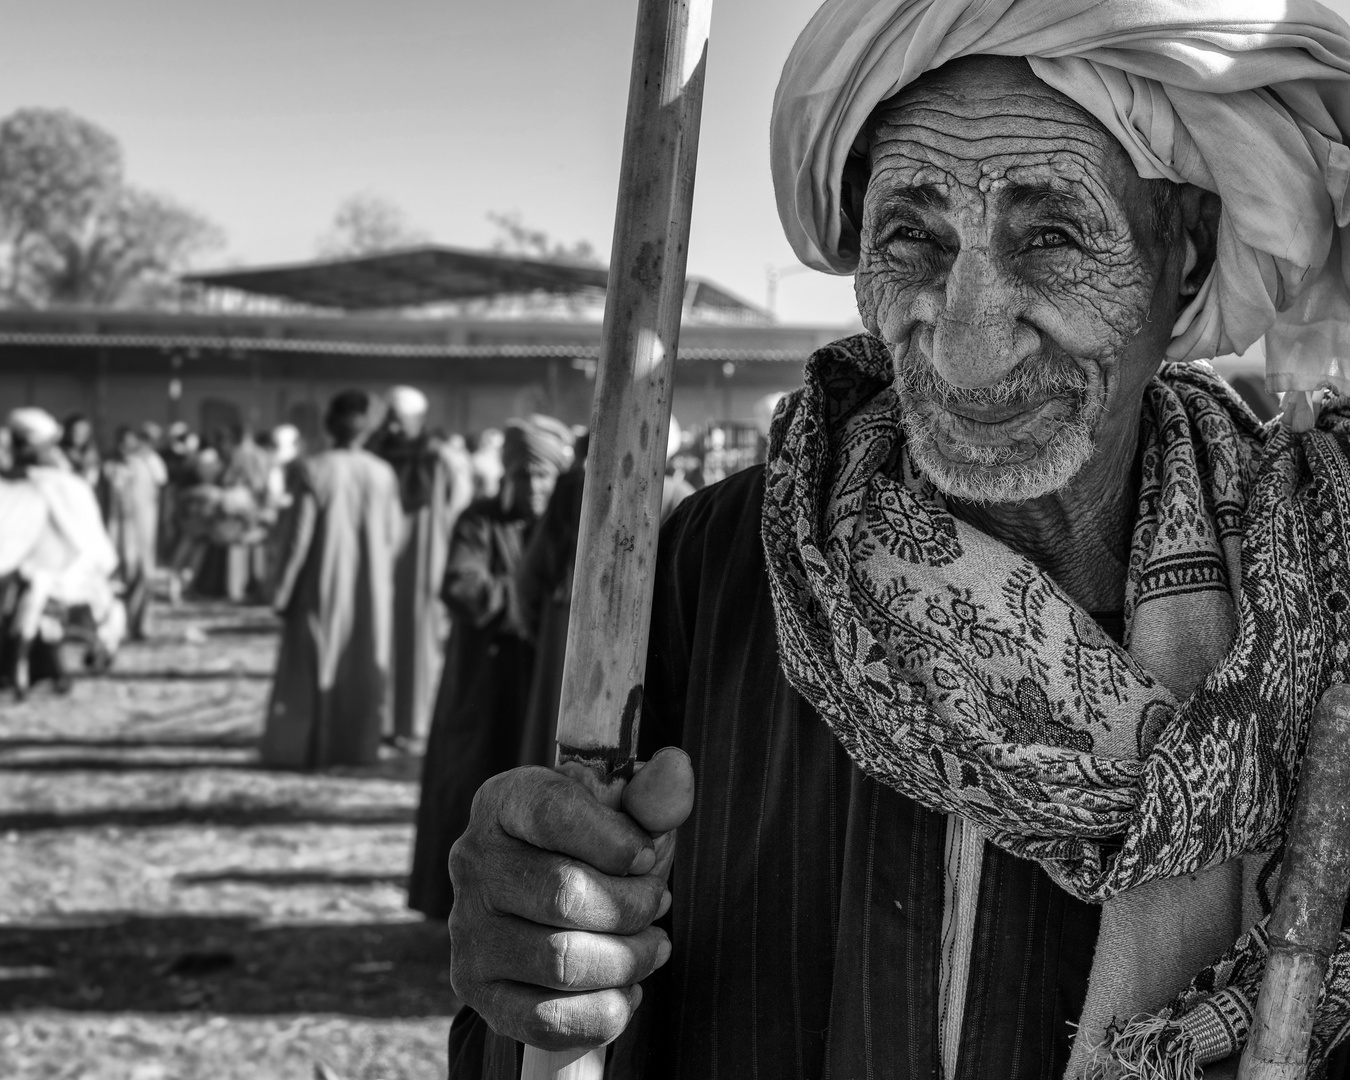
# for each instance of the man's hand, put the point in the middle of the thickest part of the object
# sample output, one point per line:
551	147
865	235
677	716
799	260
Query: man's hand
554	899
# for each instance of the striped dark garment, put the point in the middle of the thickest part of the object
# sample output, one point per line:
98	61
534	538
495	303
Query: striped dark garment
808	899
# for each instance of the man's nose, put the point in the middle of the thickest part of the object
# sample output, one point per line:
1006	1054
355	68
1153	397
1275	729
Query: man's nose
979	335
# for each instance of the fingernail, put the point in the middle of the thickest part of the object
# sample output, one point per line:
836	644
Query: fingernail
665	904
663	952
646	859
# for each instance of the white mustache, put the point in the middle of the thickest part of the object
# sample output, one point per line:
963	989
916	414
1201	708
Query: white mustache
1035	377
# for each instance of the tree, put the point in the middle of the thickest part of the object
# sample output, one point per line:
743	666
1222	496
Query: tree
128	251
367	224
72	230
517	238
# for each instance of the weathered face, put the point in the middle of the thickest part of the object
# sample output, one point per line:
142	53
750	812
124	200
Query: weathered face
529	486
1009	260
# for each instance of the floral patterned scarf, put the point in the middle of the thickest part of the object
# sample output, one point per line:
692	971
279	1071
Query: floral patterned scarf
955	671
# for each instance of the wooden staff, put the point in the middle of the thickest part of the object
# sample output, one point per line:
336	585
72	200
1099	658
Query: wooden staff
1314	882
621	504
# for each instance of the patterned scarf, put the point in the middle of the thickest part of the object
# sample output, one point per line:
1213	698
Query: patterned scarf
955	671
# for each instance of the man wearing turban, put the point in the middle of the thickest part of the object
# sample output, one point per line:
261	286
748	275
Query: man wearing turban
55	556
478	723
433	496
995	679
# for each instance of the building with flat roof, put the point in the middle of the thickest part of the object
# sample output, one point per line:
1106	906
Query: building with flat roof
485	336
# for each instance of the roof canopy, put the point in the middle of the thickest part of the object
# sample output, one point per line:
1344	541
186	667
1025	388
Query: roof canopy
417	277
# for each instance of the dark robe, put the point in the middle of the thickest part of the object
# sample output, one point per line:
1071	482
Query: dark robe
544	597
431	501
807	906
476	727
332	695
544	594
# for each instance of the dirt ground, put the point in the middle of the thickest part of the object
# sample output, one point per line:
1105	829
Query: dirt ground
169	910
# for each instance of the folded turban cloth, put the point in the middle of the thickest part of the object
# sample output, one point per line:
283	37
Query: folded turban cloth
537	440
35	427
407	401
1248	99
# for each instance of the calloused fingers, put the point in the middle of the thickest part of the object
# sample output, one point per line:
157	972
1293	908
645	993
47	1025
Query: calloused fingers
554	1021
570	960
549	810
555	891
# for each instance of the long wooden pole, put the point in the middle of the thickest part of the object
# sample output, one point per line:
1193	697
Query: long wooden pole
621	504
1314	882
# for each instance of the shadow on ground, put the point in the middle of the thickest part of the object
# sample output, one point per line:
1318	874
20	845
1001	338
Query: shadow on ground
247	629
293	878
230	741
143	750
227	965
238	816
117	765
209	675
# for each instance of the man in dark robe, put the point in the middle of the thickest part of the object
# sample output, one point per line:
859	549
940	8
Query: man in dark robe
544	595
994	678
332	695
480	709
81	449
432	497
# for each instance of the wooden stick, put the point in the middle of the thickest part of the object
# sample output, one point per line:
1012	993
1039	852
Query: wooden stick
1314	882
621	504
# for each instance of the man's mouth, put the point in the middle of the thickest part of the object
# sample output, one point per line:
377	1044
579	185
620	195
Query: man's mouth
993	414
1019	427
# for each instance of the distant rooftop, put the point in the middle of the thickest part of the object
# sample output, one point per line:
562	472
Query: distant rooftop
430	276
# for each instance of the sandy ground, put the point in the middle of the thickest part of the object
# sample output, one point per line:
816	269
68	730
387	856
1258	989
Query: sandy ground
169	910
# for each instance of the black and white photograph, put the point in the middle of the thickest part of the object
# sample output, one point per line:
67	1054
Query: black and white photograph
675	540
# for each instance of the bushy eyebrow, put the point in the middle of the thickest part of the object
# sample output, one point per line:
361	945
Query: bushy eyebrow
917	197
1045	198
1049	200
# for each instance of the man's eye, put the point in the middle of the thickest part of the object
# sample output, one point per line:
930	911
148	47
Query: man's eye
913	235
1049	238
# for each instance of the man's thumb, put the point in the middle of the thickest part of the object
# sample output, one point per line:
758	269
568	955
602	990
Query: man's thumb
661	793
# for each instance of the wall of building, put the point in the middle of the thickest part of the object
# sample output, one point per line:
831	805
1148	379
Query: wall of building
130	386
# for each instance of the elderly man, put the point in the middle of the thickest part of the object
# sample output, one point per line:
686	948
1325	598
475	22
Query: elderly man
432	497
480	708
994	678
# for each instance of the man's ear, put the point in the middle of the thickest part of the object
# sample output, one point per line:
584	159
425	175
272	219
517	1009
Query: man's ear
852	191
1200	210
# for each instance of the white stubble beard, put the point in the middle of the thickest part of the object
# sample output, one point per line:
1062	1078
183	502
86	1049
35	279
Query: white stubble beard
988	476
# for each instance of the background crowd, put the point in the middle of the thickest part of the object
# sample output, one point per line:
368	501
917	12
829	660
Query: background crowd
423	581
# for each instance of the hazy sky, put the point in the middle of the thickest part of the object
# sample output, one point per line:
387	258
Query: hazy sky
265	114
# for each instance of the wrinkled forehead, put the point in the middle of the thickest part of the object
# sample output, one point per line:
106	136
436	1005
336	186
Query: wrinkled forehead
986	122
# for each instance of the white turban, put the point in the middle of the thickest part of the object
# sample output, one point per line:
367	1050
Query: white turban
37	427
407	401
1247	98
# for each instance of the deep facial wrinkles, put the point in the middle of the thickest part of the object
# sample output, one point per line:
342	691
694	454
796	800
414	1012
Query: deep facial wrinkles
999	263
